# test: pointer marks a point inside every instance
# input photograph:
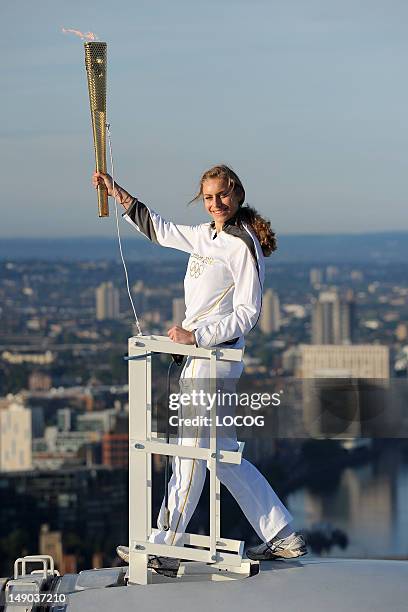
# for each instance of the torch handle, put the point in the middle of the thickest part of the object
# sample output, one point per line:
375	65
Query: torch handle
103	206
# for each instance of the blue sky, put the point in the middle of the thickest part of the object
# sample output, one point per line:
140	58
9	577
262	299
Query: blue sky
307	101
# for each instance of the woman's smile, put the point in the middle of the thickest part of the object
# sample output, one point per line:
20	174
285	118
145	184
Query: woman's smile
220	201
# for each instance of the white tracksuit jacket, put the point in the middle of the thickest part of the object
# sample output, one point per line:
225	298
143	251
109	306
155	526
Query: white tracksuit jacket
224	278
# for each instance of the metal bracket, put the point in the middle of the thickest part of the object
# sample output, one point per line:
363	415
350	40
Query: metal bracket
138	357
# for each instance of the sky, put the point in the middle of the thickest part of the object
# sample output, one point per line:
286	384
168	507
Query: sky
307	101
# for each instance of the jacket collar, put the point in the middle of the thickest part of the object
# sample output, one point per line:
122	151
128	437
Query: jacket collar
232	221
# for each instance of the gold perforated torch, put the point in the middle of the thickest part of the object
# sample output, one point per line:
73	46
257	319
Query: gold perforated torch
95	62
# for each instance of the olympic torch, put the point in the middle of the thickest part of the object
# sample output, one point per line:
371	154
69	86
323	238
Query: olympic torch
95	62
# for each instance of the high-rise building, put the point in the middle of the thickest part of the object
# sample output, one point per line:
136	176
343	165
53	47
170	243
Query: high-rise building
37	421
333	318
331	273
269	321
107	301
140	296
316	276
15	437
179	311
348	321
64	419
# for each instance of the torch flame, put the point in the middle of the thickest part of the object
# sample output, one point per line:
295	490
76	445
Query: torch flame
84	36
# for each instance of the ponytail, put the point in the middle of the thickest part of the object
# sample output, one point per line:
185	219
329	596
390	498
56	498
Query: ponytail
260	226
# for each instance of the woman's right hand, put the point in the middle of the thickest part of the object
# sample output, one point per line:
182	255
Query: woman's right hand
120	194
99	178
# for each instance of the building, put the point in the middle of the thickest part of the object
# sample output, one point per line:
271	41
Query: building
39	381
333	318
356	361
115	443
107	301
50	543
98	421
14	357
291	359
115	450
316	276
270	319
139	296
37	421
401	332
331	273
345	390
179	311
356	275
64	419
15	437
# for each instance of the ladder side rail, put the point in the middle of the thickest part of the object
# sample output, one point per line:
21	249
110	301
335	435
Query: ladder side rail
214	505
139	483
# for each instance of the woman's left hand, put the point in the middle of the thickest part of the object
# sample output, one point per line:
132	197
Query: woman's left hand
178	334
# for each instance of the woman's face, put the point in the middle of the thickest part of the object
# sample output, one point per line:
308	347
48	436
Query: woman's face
220	204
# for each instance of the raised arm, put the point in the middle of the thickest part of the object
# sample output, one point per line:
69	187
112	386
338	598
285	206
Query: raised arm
157	229
148	222
247	300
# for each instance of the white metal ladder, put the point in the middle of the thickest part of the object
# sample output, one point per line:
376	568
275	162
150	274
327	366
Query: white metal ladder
222	552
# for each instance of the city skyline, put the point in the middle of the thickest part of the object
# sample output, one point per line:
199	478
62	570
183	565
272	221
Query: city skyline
306	103
65	366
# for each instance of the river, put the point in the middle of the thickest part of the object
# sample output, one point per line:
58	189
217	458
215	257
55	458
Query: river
368	502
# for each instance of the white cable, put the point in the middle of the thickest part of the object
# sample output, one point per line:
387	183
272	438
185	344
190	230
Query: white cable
117	227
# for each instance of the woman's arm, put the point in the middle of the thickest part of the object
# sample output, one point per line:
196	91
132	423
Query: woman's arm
155	228
148	222
247	301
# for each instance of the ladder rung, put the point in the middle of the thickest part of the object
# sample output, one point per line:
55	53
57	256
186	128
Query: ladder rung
193	452
182	552
195	539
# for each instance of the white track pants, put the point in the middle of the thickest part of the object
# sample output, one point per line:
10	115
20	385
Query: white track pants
257	499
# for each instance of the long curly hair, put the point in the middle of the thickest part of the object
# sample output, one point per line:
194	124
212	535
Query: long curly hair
245	214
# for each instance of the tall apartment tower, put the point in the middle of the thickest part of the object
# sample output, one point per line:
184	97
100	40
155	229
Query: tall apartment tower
333	318
15	437
316	276
107	301
269	320
179	311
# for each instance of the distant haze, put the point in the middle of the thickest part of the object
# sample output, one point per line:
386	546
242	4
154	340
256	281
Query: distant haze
375	248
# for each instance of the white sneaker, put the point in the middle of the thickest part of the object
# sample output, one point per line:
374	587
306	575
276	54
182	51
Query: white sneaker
123	553
284	548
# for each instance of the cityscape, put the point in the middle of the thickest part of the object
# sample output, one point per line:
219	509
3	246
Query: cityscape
64	327
291	117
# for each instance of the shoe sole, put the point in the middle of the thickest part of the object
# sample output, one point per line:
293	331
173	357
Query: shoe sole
284	554
164	572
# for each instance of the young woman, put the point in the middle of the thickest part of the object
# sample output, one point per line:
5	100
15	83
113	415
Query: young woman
223	295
